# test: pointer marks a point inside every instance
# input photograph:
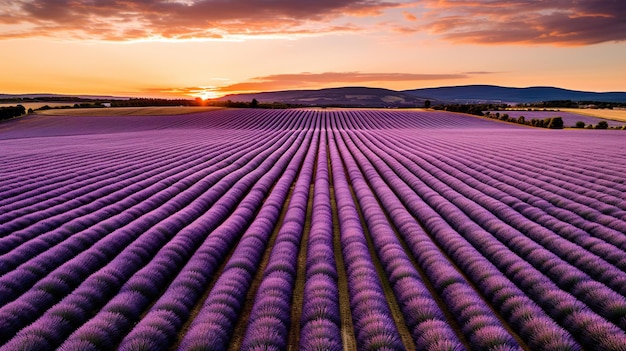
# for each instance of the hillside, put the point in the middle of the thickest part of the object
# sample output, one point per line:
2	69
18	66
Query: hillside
346	96
377	97
492	93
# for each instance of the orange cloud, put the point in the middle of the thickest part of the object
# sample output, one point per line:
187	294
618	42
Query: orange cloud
174	19
308	80
409	16
558	22
304	80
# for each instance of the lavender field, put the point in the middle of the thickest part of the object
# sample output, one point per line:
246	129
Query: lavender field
310	230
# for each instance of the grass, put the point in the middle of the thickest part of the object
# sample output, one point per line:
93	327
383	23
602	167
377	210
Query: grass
128	111
615	115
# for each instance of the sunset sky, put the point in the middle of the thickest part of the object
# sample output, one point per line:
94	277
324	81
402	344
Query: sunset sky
209	48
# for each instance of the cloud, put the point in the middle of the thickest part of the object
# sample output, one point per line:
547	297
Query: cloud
555	22
307	80
544	22
409	16
173	19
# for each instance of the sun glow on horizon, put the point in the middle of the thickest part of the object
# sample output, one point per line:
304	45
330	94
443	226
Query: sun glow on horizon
205	93
175	49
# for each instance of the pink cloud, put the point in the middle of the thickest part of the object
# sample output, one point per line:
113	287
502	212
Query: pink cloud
101	19
558	22
409	16
306	80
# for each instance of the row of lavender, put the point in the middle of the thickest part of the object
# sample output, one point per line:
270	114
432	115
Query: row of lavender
447	236
37	126
556	286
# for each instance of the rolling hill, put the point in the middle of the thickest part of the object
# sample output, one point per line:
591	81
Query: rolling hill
346	96
377	97
492	93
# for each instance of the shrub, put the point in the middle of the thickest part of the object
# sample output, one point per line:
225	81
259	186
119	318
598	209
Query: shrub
602	125
554	123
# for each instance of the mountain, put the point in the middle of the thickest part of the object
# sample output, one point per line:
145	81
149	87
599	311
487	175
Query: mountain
492	93
347	96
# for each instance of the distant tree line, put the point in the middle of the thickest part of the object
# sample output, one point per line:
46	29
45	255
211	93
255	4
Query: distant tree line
472	109
600	125
81	105
575	104
68	99
135	102
144	102
254	103
482	110
9	112
550	122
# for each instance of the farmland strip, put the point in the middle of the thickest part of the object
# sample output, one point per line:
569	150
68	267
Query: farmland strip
376	232
169	232
320	320
102	181
169	256
446	281
137	194
591	264
137	254
220	311
541	290
293	341
374	325
426	320
144	212
274	298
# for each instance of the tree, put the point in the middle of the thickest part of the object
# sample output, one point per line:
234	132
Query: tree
427	104
254	103
580	124
553	123
602	125
11	111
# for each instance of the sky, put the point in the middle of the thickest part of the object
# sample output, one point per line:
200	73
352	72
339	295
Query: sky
210	48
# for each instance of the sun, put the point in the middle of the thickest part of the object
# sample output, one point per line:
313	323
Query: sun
206	93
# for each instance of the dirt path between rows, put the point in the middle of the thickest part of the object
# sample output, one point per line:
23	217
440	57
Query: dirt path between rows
347	327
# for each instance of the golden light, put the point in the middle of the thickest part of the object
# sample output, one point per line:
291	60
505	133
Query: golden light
206	93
